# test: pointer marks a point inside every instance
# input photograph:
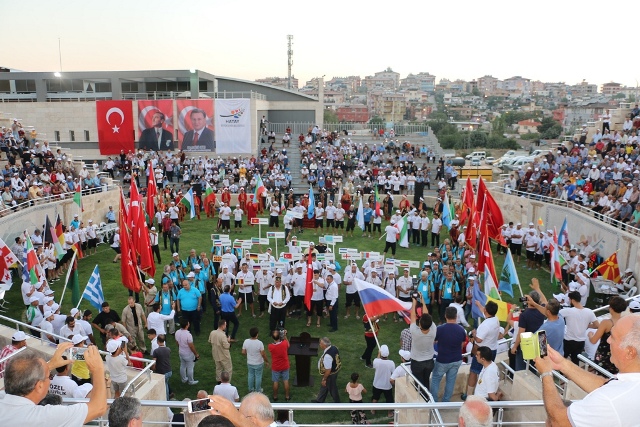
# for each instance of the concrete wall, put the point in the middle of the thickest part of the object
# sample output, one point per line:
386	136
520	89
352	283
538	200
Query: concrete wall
95	207
603	237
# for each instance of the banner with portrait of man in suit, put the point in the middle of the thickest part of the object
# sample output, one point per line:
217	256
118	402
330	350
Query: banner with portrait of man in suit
196	125
155	125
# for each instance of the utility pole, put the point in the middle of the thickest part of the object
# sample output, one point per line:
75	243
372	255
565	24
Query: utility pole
290	58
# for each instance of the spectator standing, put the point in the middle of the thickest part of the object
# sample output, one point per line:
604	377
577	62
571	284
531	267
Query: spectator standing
488	379
383	368
117	363
423	334
253	348
530	320
617	305
220	344
133	318
187	353
225	389
279	350
355	390
329	365
189	302
162	356
450	338
578	319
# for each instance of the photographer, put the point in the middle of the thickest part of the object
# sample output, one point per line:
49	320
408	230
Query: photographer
530	321
280	365
423	333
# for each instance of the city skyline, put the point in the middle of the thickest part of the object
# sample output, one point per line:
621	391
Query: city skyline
501	39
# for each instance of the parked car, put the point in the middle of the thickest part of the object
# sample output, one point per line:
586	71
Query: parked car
481	154
475	161
490	160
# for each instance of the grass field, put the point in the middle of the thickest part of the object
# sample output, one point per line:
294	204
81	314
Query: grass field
349	339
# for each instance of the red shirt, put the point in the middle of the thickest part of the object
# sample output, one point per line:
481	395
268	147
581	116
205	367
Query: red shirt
279	356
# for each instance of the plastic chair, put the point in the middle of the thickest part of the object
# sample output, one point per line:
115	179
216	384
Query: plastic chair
631	292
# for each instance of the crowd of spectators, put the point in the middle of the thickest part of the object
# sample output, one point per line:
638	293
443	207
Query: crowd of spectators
601	174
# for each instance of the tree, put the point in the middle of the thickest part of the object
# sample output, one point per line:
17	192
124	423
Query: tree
376	120
330	116
549	128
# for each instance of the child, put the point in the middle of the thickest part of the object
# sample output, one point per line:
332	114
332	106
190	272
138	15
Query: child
355	390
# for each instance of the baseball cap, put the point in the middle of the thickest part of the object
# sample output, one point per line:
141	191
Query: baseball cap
19	336
33	299
77	339
634	306
150	281
197	266
191	275
112	346
406	355
176	254
384	350
74	311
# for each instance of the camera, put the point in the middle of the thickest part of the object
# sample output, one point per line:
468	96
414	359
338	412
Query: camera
415	295
198	405
77	353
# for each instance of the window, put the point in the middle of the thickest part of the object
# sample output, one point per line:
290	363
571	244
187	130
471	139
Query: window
86	136
72	136
56	135
106	87
25	86
127	87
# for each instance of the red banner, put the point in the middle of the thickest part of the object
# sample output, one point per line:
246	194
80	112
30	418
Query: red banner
195	125
155	124
115	126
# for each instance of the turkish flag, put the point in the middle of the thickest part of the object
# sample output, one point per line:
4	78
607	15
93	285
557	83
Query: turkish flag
152	192
115	126
129	262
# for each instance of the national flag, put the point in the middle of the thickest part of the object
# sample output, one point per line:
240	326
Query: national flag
471	238
209	197
486	266
93	292
477	295
609	269
467	202
135	205
376	202
503	309
403	226
446	212
187	201
555	259
7	259
152	192
77	197
312	204
509	275
128	262
482	189
115	127
360	215
59	247
32	260
73	283
492	217
540	223
309	282
287	255
77	248
260	188
563	236
377	301
143	247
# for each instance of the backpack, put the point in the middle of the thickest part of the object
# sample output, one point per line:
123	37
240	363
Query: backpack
111	238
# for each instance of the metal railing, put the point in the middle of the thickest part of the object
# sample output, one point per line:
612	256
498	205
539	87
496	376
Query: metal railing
567	204
347	407
44	341
187	94
423	391
588	363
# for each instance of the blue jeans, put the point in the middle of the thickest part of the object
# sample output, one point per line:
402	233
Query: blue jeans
255	377
166	382
440	370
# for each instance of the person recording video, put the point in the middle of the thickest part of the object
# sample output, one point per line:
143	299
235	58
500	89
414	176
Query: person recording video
279	350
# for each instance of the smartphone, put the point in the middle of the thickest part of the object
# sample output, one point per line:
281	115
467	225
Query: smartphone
198	405
77	353
542	341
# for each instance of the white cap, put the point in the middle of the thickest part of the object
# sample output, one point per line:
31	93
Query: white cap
19	336
153	229
77	339
74	311
151	281
176	254
405	354
191	275
33	299
197	266
112	346
48	313
384	350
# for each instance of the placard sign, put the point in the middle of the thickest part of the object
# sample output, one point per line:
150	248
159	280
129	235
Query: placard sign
333	239
281	265
259	221
275	234
352	256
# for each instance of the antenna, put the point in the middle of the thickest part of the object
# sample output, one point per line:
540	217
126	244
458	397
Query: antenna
290	59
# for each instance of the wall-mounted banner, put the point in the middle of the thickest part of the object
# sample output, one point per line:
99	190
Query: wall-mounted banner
233	126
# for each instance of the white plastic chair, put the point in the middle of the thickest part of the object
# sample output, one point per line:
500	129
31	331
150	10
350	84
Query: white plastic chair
631	292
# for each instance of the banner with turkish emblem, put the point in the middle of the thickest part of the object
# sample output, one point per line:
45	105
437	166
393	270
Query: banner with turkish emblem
155	125
115	126
233	126
196	125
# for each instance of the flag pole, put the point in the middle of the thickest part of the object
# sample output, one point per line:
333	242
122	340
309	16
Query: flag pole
73	258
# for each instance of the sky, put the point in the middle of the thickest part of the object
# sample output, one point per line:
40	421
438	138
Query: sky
551	41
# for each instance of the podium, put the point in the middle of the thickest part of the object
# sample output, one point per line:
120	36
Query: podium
303	348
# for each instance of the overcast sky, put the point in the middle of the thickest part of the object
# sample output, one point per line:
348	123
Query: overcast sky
545	40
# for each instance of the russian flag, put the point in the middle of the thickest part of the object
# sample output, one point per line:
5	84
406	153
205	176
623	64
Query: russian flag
376	300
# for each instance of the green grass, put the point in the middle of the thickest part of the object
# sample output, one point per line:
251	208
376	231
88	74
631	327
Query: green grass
349	339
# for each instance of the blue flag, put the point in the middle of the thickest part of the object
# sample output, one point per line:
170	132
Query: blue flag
478	295
446	212
93	291
312	204
563	236
508	276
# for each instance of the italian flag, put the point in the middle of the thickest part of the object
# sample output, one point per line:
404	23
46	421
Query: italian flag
260	188
187	201
403	226
77	198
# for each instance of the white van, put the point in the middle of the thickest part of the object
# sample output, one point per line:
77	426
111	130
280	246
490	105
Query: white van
477	154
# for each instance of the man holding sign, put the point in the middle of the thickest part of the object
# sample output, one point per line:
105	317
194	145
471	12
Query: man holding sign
245	280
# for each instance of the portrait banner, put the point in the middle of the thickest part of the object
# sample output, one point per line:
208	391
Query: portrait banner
233	126
196	125
155	125
115	126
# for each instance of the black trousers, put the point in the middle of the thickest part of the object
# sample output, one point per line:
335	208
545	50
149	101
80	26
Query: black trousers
371	345
422	370
435	239
416	236
156	251
165	237
573	349
424	235
193	316
230	317
390	245
277	317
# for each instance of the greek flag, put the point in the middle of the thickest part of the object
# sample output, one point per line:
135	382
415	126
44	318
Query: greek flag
93	291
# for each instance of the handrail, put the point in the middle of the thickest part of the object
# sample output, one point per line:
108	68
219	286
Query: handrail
396	407
592	364
20	350
424	392
606	307
565	203
146	369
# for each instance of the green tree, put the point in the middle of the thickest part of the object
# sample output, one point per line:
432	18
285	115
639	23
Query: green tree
549	128
376	120
330	116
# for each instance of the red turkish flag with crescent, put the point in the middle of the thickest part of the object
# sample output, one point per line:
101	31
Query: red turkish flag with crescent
115	126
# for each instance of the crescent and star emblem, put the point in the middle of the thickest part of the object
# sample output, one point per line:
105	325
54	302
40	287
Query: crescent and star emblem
118	111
